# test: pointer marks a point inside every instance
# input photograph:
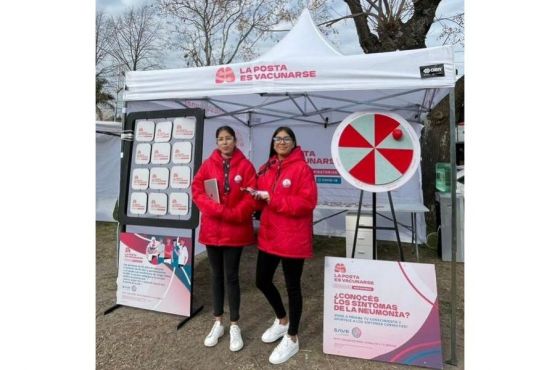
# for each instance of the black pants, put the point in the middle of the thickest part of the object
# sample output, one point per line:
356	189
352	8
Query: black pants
293	268
224	262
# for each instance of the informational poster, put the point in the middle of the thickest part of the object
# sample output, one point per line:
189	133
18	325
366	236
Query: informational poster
161	147
155	273
160	158
383	311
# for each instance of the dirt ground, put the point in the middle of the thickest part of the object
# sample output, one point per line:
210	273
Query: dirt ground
131	338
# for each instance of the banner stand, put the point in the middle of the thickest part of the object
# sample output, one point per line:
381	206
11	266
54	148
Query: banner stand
193	313
111	309
198	309
116	305
374	226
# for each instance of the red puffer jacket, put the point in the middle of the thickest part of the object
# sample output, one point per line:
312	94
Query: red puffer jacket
286	227
230	222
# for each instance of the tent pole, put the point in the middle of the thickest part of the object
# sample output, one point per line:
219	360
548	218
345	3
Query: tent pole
250	125
452	159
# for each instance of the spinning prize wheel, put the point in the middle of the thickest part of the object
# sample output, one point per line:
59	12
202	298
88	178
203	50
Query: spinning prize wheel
375	152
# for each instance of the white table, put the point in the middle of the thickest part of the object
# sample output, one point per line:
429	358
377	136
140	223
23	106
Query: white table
412	208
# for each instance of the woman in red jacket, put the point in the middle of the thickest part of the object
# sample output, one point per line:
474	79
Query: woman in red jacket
225	227
288	195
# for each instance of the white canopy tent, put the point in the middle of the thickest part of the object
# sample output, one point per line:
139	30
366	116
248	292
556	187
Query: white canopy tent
304	83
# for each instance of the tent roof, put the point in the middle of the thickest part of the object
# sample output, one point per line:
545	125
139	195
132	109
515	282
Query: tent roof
304	78
303	39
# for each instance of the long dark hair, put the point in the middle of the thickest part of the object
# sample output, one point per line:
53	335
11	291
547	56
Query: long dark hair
228	129
290	134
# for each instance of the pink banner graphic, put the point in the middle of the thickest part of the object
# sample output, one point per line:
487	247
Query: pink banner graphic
325	172
382	310
155	273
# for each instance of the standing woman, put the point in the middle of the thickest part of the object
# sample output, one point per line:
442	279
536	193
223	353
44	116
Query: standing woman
288	195
225	227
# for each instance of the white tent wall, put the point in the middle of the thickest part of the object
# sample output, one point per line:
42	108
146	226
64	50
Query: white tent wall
107	169
315	140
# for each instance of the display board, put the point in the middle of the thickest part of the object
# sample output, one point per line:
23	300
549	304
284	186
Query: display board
158	165
155	272
375	151
382	310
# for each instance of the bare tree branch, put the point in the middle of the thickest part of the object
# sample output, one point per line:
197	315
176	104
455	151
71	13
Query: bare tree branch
102	32
228	30
137	39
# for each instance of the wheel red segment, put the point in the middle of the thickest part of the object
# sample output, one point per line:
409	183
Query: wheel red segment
383	127
399	158
352	138
365	169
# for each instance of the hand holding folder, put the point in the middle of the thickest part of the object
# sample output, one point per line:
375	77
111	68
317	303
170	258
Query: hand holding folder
211	189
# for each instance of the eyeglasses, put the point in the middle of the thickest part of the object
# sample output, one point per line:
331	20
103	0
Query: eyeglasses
226	138
278	139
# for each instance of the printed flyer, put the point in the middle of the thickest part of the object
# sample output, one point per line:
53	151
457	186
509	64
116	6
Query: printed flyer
383	311
155	273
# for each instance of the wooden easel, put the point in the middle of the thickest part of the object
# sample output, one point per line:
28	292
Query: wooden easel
374	226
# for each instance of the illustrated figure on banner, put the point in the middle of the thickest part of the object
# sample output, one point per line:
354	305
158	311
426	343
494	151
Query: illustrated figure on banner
183	253
169	249
160	251
152	251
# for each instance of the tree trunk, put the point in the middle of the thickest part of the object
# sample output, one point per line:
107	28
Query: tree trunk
435	147
392	34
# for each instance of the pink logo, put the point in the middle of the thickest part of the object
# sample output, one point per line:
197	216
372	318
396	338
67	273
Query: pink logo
340	268
224	74
356	332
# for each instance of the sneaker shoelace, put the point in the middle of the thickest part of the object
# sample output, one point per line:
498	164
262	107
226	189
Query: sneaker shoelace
283	343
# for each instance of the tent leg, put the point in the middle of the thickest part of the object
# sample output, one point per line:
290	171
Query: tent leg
374	225
453	359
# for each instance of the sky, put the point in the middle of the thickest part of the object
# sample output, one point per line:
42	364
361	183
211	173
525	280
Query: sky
346	41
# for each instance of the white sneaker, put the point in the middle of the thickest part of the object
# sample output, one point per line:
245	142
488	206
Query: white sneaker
283	351
274	332
212	338
235	340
